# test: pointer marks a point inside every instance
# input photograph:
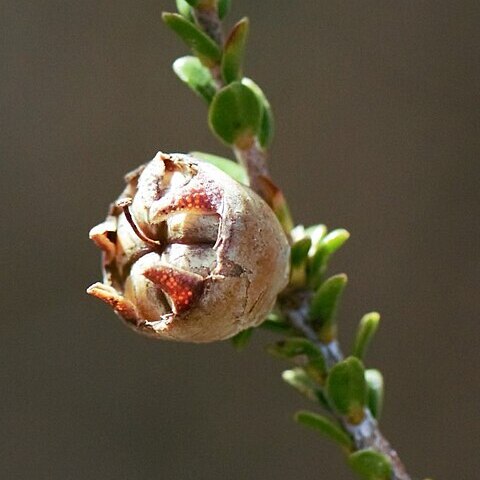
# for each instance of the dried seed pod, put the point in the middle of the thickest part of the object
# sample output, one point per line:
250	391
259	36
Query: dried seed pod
190	254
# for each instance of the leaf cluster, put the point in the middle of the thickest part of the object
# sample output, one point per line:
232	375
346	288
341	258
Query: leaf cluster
239	112
346	390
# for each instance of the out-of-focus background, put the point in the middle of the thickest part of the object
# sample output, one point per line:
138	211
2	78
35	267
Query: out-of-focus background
377	109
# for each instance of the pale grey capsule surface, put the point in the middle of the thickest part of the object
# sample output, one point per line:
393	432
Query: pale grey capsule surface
190	254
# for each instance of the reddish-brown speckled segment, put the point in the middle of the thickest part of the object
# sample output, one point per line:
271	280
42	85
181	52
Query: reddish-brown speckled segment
193	199
199	195
108	294
184	288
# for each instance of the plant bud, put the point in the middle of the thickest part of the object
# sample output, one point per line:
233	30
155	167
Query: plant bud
190	254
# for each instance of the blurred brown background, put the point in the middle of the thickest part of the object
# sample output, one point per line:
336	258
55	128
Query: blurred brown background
377	108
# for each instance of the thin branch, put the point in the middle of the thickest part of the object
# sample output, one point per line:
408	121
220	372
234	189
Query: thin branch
367	434
331	351
254	159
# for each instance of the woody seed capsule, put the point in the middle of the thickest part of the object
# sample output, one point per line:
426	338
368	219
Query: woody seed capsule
190	254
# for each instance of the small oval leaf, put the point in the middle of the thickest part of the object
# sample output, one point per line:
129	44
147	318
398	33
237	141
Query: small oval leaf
298	258
184	9
374	379
234	51
366	330
196	76
335	239
325	302
201	44
267	126
326	427
370	465
301	382
328	245
347	389
223	8
299	251
235	114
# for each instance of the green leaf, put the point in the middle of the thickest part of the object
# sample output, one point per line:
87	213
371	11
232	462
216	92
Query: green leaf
184	9
298	261
276	316
234	51
223	8
334	240
325	426
236	171
299	251
235	113
196	76
300	381
293	347
241	339
347	389
193	3
316	369
325	301
297	233
328	245
366	330
276	323
375	395
277	327
201	44
303	352
316	233
370	465
267	126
